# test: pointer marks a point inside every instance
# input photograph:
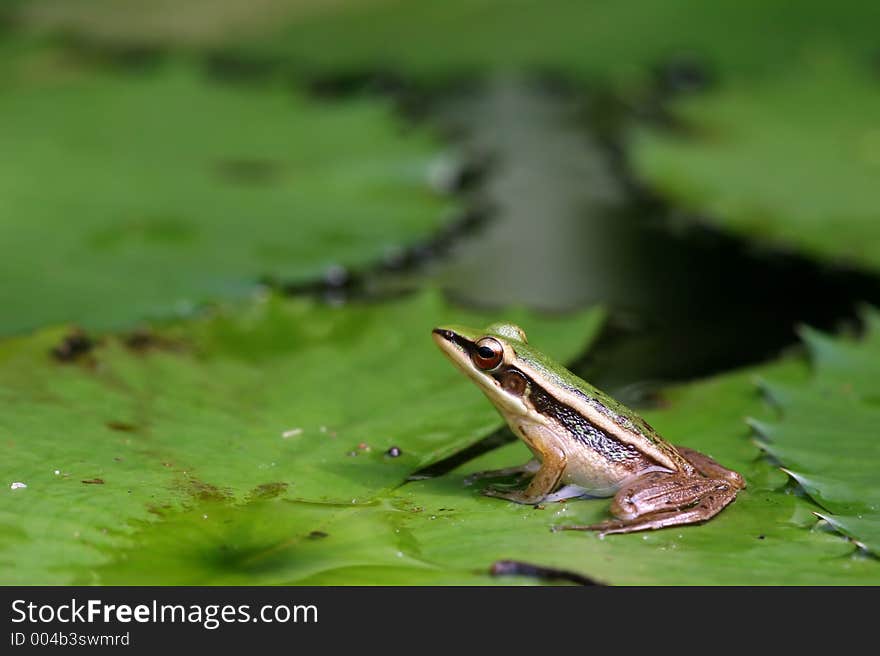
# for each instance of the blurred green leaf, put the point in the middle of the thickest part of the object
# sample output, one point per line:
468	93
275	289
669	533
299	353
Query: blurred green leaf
793	163
282	399
612	41
124	197
167	22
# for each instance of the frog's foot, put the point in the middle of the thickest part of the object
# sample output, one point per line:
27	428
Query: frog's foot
545	480
658	501
647	523
527	469
517	496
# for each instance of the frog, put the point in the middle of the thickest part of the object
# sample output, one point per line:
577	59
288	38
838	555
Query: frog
584	442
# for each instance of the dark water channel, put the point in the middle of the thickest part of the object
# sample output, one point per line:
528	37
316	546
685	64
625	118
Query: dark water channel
566	230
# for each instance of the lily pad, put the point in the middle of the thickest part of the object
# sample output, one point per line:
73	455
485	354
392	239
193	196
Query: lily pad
282	399
442	531
765	537
224	452
786	162
826	437
133	196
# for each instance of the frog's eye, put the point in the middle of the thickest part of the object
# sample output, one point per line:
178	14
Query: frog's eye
488	353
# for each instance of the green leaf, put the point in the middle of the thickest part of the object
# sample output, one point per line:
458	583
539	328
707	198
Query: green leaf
189	441
281	399
764	537
162	190
847	366
826	437
788	162
441	531
865	531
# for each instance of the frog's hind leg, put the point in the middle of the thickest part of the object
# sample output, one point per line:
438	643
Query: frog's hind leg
529	468
659	500
695	515
710	468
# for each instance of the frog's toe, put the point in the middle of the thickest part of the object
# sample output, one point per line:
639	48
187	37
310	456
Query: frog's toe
497	492
602	528
517	496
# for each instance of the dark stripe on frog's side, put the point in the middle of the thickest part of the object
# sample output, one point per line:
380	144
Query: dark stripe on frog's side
628	421
656	448
575	423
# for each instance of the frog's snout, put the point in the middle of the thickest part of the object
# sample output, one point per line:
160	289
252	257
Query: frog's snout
450	340
445	339
448	335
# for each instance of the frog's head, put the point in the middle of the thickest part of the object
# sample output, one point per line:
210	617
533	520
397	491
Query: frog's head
489	358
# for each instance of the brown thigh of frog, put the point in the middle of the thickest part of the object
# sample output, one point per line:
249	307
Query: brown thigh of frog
659	492
658	500
695	515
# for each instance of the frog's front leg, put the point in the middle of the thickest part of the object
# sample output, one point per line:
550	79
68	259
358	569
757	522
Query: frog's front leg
657	500
531	467
545	480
